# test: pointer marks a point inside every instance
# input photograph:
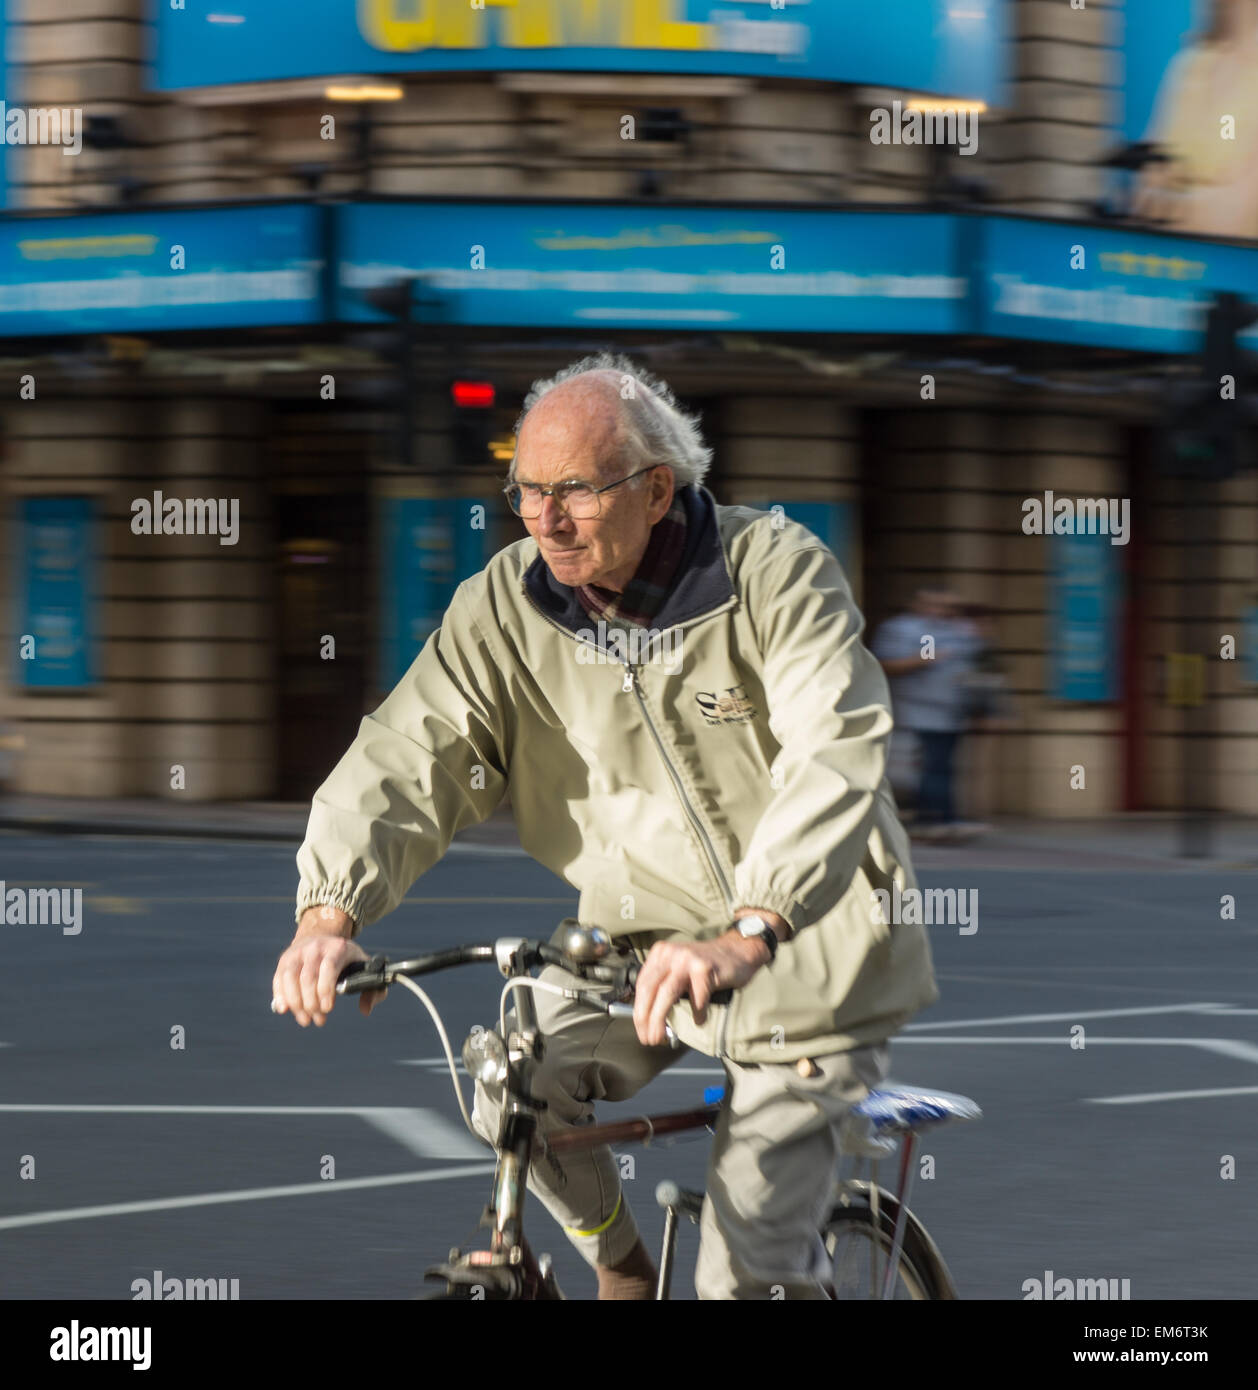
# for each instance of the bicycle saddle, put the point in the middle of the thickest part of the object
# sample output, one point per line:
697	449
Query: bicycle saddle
900	1109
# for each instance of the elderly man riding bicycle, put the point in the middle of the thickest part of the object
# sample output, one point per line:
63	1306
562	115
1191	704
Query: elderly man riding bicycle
724	815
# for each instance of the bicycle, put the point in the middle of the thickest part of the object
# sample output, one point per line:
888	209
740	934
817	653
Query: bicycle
872	1241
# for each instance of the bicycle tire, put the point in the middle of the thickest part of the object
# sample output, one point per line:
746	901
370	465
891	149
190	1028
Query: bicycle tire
920	1270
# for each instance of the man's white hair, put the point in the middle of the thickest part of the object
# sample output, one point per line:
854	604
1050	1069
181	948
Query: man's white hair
653	428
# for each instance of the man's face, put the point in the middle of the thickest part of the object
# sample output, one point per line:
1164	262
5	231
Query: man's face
558	443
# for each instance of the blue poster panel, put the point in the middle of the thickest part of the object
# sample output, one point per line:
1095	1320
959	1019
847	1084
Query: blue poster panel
429	545
1085	617
1249	644
1188	83
56	594
936	46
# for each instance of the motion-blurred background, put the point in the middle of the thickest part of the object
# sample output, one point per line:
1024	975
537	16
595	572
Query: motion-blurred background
309	254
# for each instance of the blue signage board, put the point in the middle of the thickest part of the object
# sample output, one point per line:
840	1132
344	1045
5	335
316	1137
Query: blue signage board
1085	616
1105	287
585	265
938	46
120	272
56	593
545	265
428	546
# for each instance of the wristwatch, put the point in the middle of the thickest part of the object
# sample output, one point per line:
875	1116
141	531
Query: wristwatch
756	926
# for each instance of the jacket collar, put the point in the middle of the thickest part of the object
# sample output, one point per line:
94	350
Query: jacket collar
703	580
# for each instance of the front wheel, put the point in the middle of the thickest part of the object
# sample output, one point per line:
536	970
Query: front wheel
859	1249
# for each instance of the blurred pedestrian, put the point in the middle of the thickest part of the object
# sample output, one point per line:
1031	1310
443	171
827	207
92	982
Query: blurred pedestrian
989	710
988	703
929	656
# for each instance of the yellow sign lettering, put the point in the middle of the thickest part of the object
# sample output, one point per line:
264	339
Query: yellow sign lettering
406	26
402	26
654	24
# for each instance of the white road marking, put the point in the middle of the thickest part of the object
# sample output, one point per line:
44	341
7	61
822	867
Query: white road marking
1068	1017
1172	1095
439	1064
507	900
193	1109
248	1194
425	1133
1225	1047
137	837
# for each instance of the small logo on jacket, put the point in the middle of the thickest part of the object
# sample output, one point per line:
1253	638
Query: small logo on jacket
730	706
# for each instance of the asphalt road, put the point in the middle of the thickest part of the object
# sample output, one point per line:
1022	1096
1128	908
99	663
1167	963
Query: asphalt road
1100	1161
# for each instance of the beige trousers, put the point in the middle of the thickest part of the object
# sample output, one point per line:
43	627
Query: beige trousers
771	1172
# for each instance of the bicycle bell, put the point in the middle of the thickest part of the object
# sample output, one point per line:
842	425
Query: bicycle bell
586	944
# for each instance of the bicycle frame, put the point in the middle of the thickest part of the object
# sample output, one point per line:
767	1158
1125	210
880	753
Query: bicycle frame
521	1110
509	1266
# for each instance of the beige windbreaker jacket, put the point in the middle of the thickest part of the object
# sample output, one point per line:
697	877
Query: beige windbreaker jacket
737	760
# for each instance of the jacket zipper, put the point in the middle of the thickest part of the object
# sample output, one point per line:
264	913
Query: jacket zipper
631	683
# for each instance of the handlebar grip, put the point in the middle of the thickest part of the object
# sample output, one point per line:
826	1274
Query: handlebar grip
361	976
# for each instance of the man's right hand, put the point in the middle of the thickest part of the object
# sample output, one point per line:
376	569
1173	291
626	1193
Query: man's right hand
305	978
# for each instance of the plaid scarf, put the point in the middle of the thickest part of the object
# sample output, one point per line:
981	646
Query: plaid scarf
645	593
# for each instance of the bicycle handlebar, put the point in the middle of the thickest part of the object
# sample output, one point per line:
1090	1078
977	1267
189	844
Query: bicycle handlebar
379	972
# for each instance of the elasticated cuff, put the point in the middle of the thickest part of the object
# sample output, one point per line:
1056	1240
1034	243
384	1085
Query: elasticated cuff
330	895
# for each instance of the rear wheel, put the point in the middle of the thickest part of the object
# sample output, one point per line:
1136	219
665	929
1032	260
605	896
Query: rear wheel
859	1250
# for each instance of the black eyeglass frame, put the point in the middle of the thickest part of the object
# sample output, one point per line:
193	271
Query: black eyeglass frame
569	482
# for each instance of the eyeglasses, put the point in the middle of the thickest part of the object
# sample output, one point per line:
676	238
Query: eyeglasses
575	499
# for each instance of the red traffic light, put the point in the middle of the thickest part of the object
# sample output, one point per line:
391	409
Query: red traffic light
475	395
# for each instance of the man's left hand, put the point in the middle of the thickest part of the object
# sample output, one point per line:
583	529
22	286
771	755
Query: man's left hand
698	968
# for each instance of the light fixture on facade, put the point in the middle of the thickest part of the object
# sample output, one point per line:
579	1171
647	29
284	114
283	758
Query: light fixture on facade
363	91
976	108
